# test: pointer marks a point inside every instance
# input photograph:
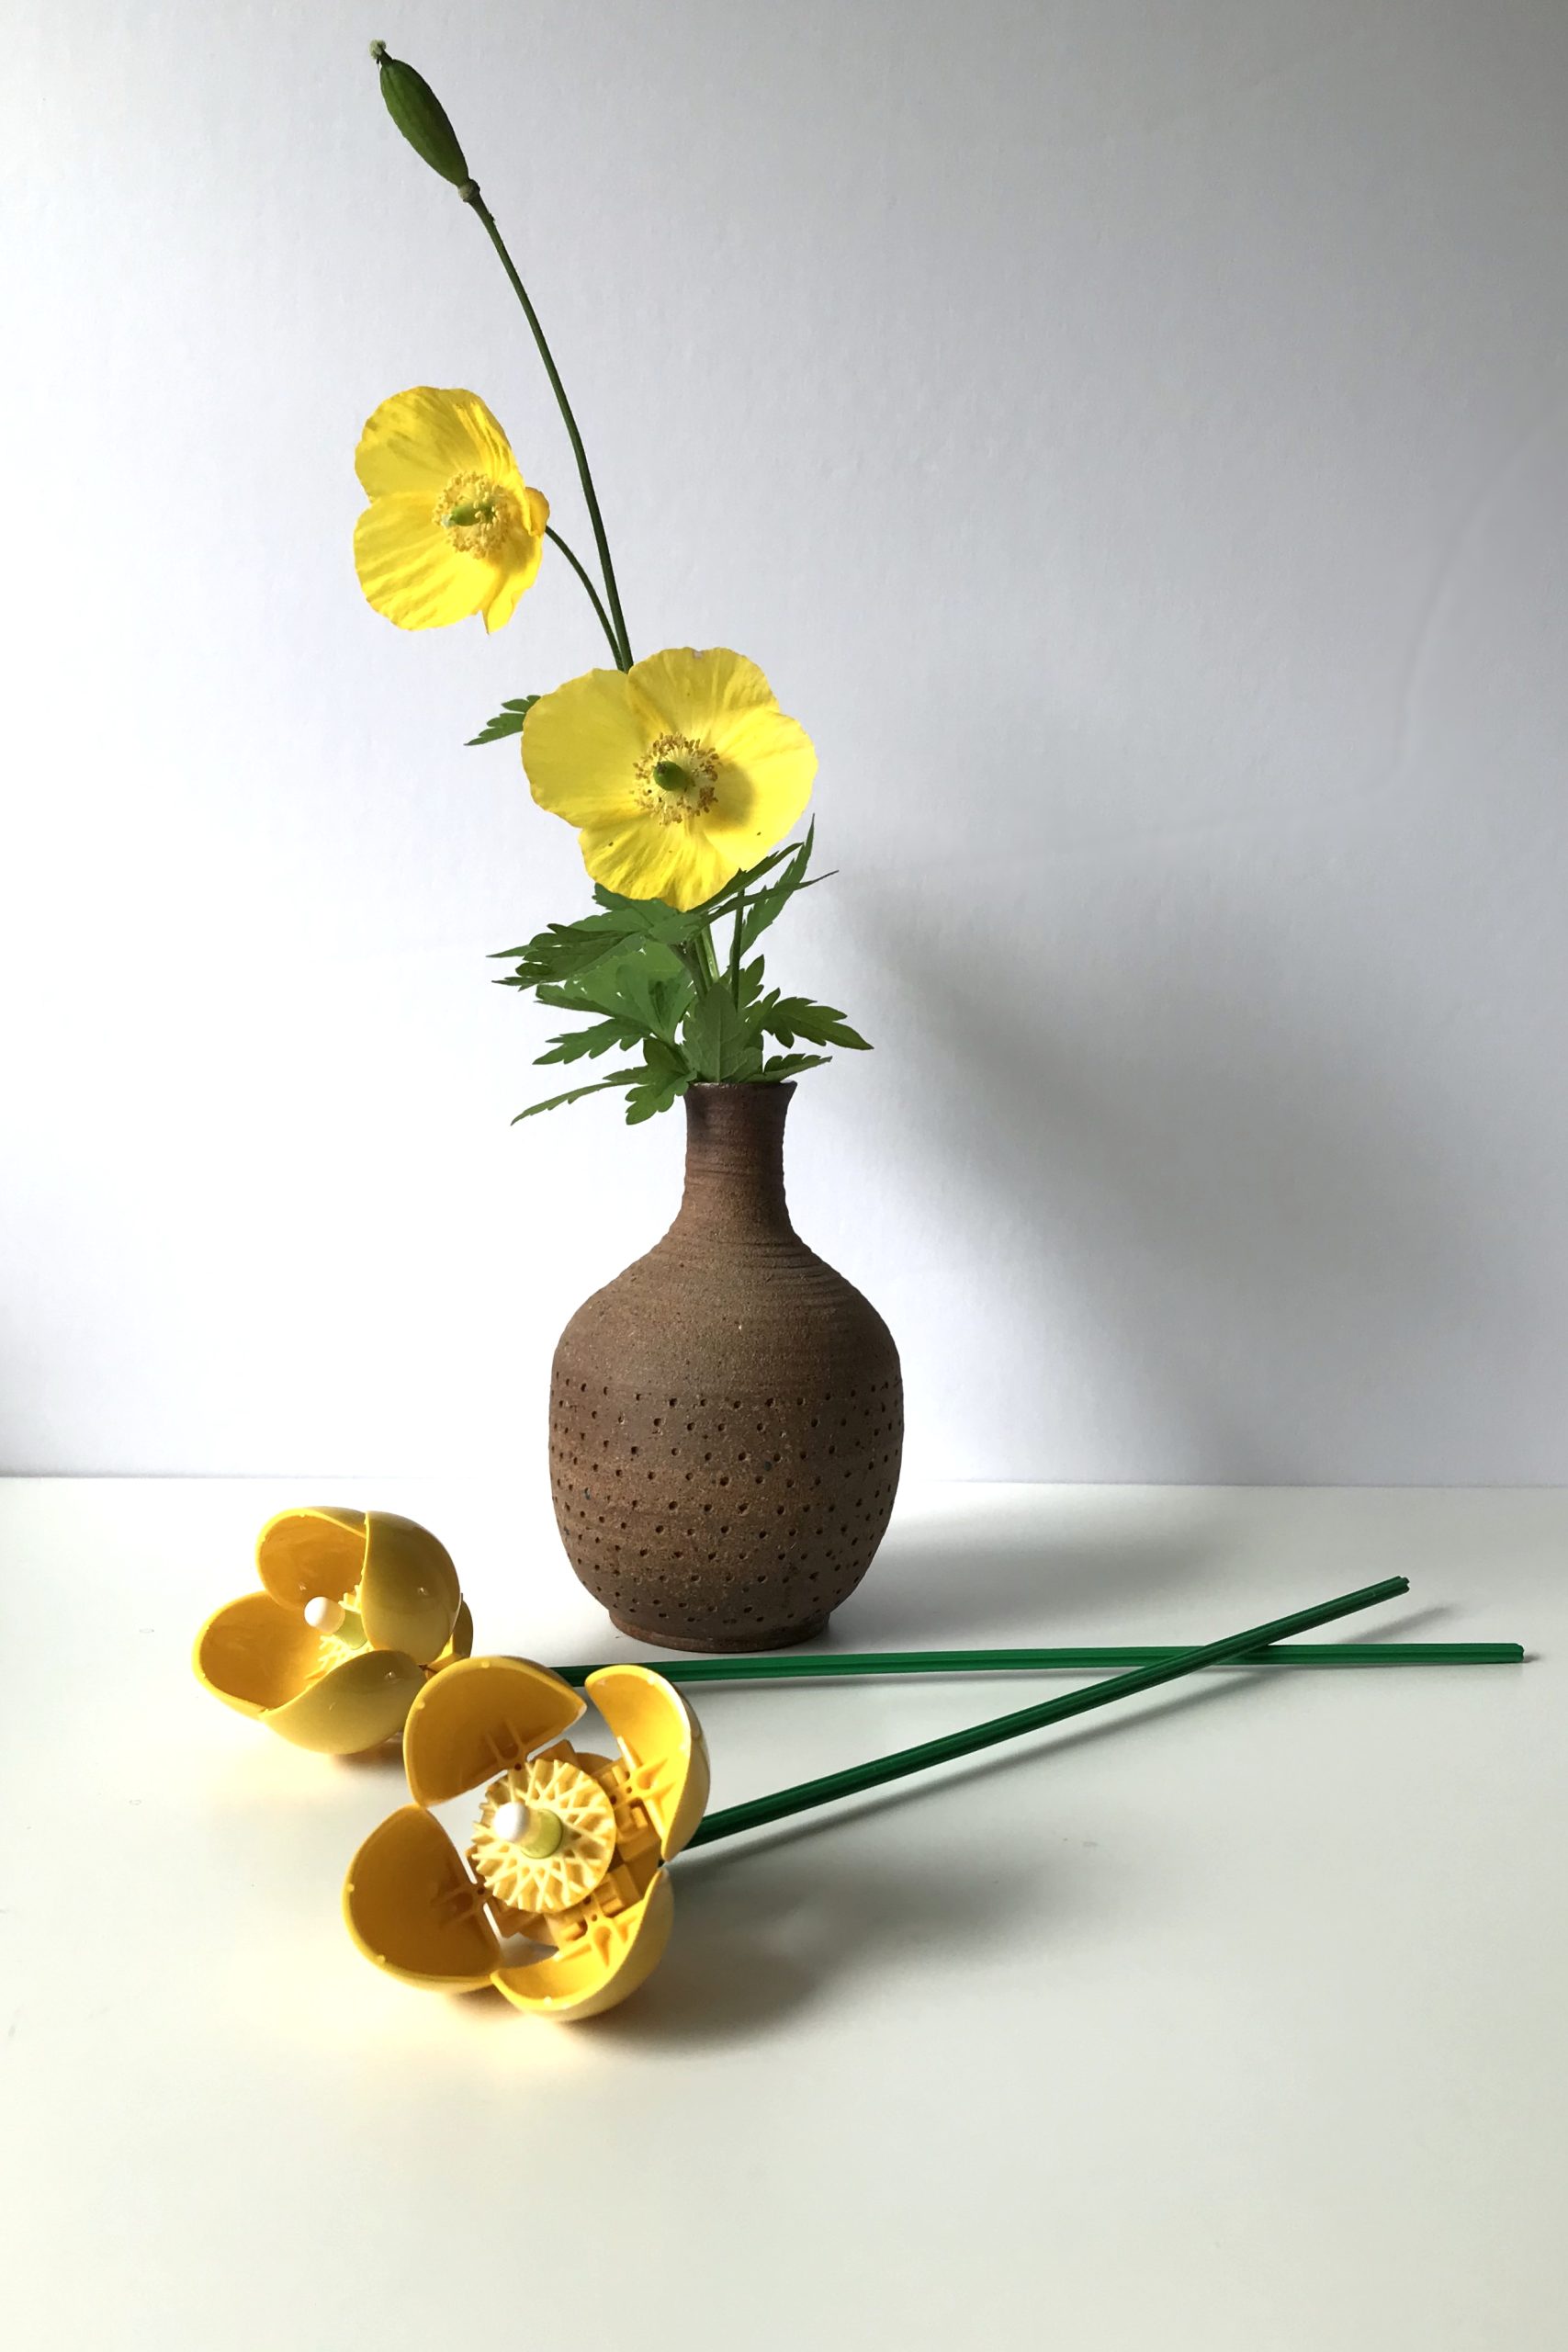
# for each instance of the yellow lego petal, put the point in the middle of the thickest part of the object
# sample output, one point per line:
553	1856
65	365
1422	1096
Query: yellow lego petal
408	1594
607	1962
313	1551
661	1740
479	1717
412	1908
354	1706
462	1642
255	1654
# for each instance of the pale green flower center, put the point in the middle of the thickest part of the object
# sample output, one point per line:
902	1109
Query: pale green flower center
339	1629
479	516
676	779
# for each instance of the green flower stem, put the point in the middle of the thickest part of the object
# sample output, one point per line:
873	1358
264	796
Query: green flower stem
701	958
807	1794
735	947
472	196
697	955
782	1665
593	596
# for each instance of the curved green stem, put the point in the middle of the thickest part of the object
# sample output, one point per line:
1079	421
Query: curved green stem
735	947
472	196
593	596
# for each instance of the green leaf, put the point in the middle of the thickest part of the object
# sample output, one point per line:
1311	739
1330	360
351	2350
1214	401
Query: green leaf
720	1040
650	916
724	901
597	1039
508	720
779	1066
616	1077
766	906
565	949
751	990
649	985
561	952
789	1017
568	997
660	1092
661	1081
656	987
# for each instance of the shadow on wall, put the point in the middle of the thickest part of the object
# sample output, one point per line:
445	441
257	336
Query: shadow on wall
1190	1214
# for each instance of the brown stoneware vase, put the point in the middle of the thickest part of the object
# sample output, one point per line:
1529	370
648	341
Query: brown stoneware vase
727	1416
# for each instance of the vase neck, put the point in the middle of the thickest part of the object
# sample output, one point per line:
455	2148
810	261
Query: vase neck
735	1158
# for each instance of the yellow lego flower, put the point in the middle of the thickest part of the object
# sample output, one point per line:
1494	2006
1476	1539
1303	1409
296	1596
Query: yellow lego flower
568	1850
452	527
357	1609
677	773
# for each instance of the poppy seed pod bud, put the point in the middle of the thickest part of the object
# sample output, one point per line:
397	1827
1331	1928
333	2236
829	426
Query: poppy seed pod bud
421	117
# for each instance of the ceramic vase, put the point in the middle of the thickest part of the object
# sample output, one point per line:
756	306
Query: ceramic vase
727	1416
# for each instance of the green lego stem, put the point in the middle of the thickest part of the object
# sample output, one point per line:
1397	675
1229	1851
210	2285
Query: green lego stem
784	1666
858	1778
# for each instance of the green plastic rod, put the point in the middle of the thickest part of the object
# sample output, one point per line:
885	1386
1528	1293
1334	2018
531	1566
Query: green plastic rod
858	1778
782	1665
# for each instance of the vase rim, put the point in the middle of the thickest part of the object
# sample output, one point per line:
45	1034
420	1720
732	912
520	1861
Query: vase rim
785	1086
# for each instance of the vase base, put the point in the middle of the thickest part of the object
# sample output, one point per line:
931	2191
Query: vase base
723	1645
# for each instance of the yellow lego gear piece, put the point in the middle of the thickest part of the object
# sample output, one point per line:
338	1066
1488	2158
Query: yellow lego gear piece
556	1882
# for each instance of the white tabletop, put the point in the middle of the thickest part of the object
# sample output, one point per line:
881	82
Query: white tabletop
1231	2019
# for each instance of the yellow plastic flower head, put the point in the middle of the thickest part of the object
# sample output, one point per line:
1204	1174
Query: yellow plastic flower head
357	1609
452	527
568	1850
677	773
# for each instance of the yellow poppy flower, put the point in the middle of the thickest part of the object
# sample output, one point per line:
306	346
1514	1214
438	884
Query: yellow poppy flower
452	527
567	1850
357	1609
677	773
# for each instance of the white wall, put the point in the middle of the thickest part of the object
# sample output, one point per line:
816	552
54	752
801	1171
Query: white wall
1130	433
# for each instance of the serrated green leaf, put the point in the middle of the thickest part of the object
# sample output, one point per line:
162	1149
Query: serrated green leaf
596	1039
659	1092
724	902
750	992
764	907
661	1056
719	1039
779	1066
650	916
564	997
663	1081
508	720
649	985
556	1102
789	1017
656	992
564	951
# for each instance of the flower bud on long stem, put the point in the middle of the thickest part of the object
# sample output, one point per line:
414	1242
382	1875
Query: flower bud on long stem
421	117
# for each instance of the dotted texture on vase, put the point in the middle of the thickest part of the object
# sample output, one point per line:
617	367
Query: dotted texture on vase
727	1416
